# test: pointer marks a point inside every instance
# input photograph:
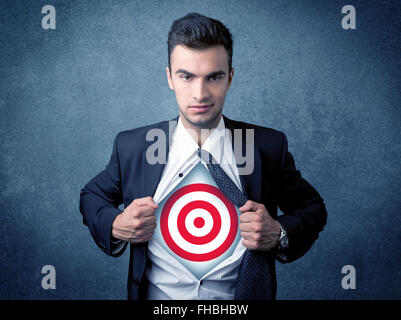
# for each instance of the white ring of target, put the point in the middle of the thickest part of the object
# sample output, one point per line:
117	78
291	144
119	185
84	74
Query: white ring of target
199	248
190	225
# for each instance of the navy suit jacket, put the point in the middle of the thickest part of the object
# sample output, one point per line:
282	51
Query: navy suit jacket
274	182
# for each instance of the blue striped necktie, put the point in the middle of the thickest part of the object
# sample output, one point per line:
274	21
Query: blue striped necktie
254	277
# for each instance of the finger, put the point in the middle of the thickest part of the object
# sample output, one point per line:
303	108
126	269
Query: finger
143	224
148	234
245	217
249	244
249	206
147	201
149	221
147	211
123	234
143	211
140	236
246	235
252	235
250	216
250	227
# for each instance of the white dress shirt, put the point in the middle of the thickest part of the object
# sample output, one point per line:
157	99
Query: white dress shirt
169	279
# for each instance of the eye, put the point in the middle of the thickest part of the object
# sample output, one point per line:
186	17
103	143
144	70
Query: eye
216	77
185	77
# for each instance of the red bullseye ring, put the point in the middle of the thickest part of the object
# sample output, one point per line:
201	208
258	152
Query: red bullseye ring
196	205
199	222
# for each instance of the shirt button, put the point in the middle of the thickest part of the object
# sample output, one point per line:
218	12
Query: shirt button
180	174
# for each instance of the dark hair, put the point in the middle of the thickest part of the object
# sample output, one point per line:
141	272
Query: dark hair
199	32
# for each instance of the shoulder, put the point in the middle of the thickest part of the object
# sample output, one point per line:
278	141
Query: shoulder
141	137
263	136
140	133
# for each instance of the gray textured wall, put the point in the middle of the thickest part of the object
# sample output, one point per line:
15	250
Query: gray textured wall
66	93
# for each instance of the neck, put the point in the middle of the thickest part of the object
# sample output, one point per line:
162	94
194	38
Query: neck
200	133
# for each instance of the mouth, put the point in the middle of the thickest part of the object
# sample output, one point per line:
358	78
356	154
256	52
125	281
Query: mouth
201	108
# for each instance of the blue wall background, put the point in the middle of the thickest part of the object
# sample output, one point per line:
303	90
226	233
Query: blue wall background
66	93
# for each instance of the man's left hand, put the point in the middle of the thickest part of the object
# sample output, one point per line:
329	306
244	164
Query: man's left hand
258	229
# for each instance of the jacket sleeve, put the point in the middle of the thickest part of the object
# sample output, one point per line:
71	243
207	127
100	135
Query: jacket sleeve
99	201
304	211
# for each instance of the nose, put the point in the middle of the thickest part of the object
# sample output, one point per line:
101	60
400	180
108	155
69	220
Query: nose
201	91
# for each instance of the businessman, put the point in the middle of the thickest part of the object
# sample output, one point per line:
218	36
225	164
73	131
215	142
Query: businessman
200	73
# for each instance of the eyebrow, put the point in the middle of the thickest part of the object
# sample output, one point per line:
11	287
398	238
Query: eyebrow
211	74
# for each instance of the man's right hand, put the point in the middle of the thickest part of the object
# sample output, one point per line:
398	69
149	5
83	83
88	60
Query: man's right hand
137	222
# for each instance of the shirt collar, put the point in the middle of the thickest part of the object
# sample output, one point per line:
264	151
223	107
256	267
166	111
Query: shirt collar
214	143
185	145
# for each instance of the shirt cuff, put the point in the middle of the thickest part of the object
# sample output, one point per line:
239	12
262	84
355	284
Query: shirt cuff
116	245
282	245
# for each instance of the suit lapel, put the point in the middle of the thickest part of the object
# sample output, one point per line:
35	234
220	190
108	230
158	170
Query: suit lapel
151	173
252	183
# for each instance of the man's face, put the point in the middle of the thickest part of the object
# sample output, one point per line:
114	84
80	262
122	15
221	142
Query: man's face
200	80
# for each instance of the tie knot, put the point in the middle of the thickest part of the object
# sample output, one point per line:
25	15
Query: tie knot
204	155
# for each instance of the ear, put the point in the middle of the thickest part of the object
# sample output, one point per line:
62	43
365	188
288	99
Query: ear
170	81
230	78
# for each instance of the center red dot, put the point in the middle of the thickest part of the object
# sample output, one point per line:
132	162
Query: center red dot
199	222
